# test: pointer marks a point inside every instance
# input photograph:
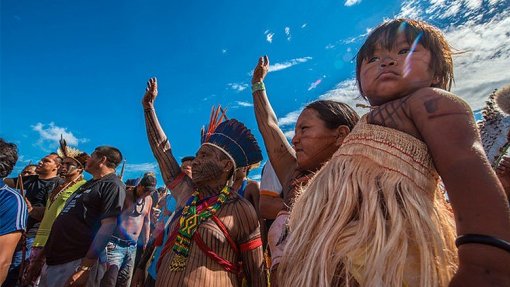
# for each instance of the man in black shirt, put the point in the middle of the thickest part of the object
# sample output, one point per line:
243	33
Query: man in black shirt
36	190
80	233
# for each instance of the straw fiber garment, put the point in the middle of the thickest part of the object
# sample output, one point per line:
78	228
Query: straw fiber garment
372	216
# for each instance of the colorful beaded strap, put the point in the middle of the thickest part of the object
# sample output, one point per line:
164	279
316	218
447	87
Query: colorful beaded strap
188	224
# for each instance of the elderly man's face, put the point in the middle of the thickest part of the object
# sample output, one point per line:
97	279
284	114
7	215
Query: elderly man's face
209	165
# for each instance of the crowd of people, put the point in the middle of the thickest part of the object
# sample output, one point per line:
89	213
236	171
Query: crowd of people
408	194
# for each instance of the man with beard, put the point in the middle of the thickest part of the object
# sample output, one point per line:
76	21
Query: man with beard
214	235
80	233
72	171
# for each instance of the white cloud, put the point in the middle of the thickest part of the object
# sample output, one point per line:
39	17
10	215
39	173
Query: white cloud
238	86
357	38
484	37
329	46
289	134
287	32
244	104
351	2
288	64
269	37
289	119
482	33
141	167
223	51
485	64
50	135
304	25
410	9
314	84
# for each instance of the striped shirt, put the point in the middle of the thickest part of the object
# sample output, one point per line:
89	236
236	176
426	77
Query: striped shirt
13	210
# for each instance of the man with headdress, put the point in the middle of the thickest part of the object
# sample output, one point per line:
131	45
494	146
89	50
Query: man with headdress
134	223
72	168
214	230
75	247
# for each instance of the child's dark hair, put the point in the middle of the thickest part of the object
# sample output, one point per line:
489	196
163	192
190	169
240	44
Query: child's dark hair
385	36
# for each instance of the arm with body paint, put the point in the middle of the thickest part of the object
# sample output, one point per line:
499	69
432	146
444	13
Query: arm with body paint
447	126
160	144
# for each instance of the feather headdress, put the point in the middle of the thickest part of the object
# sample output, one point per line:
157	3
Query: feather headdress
66	151
502	99
495	123
233	138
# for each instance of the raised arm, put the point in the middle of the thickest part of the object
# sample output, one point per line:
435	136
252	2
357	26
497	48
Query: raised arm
480	206
281	153
159	143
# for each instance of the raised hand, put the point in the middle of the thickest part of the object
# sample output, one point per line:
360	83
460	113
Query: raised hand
151	92
261	70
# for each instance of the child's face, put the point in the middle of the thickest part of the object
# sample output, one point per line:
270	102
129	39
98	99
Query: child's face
395	73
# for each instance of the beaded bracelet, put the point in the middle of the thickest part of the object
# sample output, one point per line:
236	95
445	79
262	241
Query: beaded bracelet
259	86
482	239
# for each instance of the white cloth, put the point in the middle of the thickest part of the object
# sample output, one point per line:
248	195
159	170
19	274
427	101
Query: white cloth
277	237
269	181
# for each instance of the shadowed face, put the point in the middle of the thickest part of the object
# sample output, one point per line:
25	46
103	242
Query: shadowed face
29	170
186	167
70	168
391	74
313	142
208	165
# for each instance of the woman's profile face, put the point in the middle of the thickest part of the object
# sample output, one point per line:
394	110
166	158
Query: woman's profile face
313	142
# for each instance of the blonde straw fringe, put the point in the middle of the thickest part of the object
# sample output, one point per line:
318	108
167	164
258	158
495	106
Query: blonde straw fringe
373	216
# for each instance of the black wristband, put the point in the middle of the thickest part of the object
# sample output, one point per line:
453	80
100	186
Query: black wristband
483	239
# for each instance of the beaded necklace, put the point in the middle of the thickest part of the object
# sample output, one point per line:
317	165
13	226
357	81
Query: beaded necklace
188	225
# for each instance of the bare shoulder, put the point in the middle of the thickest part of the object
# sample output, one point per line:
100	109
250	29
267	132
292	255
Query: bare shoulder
240	207
435	104
445	122
148	204
252	186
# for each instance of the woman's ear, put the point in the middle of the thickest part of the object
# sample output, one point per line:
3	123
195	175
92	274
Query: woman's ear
341	132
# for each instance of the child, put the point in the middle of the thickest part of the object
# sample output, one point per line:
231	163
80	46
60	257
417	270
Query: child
374	214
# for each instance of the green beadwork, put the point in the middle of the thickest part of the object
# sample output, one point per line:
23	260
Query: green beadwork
188	225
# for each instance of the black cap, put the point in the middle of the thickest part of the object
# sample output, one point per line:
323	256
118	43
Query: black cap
148	181
187	158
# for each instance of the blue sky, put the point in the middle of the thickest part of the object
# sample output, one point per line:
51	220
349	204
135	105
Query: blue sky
79	68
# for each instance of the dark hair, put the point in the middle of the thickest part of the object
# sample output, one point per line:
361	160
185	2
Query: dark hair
8	157
187	158
335	114
431	38
112	154
58	159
